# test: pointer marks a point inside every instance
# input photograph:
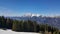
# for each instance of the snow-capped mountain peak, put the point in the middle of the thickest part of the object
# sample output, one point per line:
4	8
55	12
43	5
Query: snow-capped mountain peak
31	15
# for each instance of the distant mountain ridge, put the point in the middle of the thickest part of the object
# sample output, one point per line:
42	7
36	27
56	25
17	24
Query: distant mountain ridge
53	21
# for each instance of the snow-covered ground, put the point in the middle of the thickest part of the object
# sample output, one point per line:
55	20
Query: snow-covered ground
12	32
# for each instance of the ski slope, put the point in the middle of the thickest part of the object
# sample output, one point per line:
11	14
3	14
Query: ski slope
12	32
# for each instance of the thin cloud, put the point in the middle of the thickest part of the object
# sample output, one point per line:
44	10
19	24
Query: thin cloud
6	12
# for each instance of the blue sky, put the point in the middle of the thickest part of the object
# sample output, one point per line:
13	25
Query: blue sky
19	7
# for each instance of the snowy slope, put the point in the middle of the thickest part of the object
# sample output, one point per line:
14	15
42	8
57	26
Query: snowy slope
12	32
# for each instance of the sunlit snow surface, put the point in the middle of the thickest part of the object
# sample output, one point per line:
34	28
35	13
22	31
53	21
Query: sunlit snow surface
12	32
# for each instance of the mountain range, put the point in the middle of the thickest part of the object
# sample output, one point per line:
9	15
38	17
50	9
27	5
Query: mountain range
53	21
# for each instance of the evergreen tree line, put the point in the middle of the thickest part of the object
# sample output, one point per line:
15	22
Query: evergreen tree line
25	26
